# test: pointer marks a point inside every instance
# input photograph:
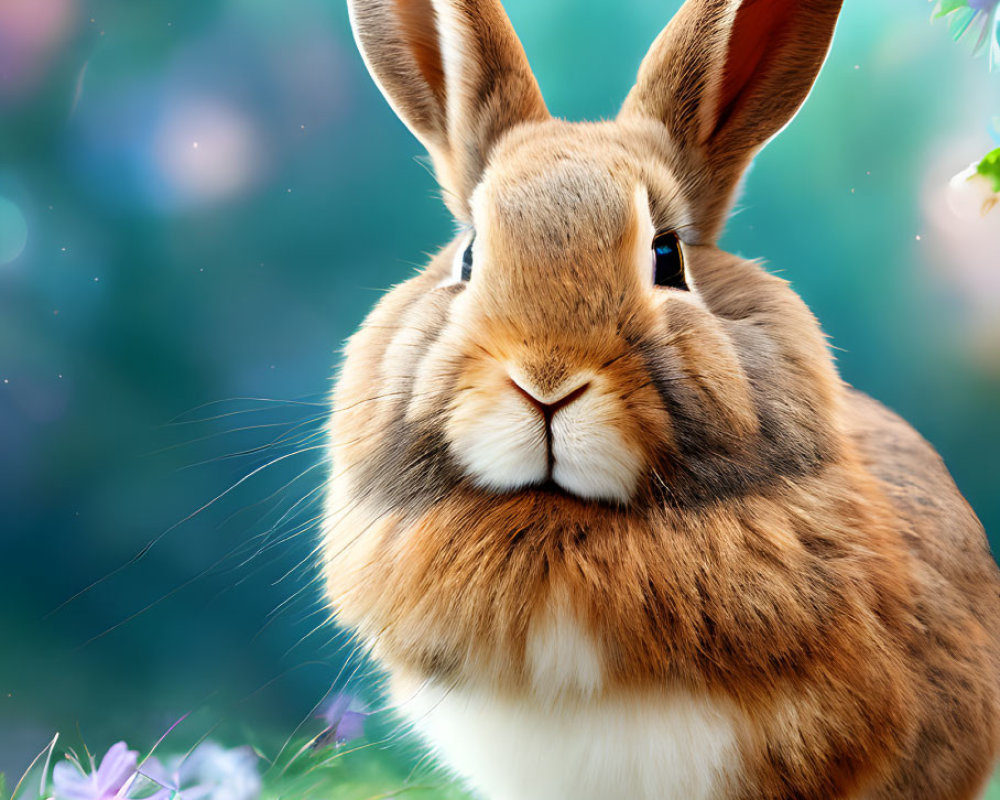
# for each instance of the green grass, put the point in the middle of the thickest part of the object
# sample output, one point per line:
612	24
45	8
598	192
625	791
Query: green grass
374	775
362	772
358	771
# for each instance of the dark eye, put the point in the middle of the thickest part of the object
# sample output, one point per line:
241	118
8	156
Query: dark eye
466	271
461	263
668	261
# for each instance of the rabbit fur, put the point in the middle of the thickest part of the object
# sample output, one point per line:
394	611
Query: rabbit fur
611	539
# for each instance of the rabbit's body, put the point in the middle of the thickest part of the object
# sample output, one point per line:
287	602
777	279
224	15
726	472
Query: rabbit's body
602	505
566	734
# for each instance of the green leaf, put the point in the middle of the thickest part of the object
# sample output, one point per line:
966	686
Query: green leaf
989	168
945	7
3	786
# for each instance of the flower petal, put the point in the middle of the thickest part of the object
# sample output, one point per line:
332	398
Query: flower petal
335	708
117	766
350	727
69	783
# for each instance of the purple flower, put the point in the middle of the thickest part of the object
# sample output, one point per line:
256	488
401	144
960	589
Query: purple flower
345	722
213	772
111	779
167	782
209	773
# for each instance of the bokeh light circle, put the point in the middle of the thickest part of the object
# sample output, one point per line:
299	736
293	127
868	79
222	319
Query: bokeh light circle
205	151
13	231
31	31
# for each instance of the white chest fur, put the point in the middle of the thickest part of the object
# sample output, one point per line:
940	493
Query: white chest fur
650	746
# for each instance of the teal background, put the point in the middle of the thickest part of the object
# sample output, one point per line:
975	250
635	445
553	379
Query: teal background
168	311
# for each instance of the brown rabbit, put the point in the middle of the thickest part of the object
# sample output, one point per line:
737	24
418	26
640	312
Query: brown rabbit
601	504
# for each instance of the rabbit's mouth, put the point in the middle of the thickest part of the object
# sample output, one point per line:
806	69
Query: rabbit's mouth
572	438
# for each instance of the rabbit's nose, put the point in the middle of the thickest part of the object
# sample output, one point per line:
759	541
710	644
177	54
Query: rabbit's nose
548	403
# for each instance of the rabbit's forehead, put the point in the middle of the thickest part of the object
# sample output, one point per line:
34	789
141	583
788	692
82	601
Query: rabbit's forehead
565	211
564	191
559	195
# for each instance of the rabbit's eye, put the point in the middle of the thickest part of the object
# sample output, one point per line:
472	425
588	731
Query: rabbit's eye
668	261
461	268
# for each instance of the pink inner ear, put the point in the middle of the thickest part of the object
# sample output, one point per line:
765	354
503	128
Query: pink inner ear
755	40
419	22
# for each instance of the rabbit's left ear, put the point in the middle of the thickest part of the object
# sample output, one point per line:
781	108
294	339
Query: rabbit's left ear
456	74
727	75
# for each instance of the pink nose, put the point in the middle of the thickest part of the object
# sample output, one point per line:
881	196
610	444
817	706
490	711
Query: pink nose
550	405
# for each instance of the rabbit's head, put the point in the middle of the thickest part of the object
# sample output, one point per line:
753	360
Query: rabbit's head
584	335
582	350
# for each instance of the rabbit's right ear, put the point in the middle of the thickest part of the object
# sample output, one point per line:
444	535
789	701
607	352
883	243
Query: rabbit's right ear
724	77
455	73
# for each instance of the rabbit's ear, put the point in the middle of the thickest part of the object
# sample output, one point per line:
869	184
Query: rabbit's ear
455	73
727	75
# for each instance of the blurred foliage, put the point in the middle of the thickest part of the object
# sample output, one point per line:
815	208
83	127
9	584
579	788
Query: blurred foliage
989	168
203	199
358	771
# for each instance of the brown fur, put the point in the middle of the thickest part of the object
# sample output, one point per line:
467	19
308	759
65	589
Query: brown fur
792	547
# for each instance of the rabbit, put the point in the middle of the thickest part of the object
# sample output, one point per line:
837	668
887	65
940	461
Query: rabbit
601	506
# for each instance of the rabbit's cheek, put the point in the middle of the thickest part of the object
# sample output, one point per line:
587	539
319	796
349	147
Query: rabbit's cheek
349	558
590	456
499	442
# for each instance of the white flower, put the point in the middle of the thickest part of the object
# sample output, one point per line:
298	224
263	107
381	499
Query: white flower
971	195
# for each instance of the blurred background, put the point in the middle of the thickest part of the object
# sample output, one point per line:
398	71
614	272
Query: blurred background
199	201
